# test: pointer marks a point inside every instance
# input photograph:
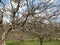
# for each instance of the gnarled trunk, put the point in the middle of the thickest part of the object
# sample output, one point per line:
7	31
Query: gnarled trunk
3	39
41	40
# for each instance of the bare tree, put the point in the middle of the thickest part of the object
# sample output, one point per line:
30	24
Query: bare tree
40	11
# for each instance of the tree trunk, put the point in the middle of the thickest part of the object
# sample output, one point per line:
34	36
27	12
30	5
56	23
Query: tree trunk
3	39
41	40
50	39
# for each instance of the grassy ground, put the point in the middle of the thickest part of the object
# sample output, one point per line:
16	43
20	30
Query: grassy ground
33	43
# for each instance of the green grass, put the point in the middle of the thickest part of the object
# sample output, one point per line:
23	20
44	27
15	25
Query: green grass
33	43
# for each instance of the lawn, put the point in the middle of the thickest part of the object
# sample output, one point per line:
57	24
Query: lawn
32	43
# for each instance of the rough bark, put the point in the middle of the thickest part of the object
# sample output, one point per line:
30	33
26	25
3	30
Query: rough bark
3	39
